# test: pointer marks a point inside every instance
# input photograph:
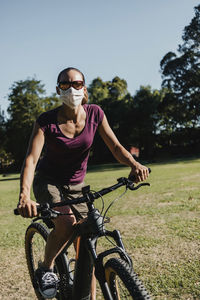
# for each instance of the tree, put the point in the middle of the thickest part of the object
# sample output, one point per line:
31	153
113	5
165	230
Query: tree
117	88
144	120
98	91
27	101
113	104
181	75
111	96
5	157
134	119
2	126
50	102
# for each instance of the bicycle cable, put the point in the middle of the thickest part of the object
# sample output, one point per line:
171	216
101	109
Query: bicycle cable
102	200
104	216
116	199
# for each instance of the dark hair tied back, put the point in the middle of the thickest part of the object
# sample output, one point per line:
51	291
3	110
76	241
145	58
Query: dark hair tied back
67	70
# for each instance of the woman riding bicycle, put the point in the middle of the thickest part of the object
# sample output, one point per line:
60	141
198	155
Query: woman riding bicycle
67	133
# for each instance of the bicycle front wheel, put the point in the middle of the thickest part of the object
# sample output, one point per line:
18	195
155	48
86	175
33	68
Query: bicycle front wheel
35	242
123	281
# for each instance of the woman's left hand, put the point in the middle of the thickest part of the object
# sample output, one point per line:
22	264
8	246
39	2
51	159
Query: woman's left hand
139	172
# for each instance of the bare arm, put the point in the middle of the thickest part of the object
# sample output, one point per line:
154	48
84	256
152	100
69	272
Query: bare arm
27	207
120	153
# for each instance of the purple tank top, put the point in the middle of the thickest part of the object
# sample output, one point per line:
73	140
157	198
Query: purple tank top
65	159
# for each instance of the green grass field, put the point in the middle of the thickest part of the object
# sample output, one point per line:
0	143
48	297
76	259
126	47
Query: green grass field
159	225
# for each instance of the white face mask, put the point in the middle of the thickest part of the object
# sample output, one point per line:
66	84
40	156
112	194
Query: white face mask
72	97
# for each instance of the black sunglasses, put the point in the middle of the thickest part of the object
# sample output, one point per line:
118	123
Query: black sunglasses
65	85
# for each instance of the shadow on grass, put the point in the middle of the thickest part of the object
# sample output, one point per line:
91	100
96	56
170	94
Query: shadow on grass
6	179
105	167
184	160
114	166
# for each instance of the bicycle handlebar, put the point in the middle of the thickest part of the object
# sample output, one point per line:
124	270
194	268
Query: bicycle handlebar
91	196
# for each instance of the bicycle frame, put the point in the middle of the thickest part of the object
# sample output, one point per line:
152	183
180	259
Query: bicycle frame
88	231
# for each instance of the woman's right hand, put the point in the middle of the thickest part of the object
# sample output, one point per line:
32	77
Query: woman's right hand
26	207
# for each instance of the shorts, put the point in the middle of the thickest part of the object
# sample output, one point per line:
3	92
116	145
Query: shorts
47	191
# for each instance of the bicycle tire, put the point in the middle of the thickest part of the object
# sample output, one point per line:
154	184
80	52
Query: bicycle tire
35	241
123	282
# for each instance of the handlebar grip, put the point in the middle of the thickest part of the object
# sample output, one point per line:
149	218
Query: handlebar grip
39	207
16	212
132	178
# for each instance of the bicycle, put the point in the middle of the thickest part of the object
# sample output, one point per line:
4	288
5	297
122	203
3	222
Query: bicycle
116	276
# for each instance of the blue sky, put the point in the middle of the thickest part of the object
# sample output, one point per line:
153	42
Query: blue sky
107	38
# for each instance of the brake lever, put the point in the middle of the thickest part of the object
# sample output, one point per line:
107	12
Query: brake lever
131	180
50	214
133	188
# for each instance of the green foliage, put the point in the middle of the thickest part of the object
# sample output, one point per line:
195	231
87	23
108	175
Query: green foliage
135	120
117	88
5	157
98	91
181	75
2	128
144	119
27	102
51	102
113	97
